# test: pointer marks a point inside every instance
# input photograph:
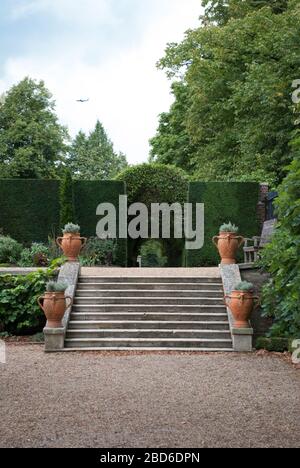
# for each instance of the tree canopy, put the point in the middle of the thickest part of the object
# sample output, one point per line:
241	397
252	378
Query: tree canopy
32	142
93	157
233	114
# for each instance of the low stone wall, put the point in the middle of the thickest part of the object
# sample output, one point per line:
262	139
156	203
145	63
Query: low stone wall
261	325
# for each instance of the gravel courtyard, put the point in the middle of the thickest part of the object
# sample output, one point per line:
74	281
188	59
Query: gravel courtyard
150	400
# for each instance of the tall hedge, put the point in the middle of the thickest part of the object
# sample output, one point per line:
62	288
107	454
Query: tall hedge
224	201
29	209
87	196
156	183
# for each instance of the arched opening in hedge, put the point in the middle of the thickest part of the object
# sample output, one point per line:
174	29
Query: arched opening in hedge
156	183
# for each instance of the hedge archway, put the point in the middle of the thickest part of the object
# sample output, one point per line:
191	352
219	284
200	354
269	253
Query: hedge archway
156	183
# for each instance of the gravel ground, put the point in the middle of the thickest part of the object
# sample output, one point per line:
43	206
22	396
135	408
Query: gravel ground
147	400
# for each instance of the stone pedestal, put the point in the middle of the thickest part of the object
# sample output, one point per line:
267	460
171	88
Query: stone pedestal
54	339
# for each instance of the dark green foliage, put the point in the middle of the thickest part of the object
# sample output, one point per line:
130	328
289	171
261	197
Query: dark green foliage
152	255
98	252
281	257
32	142
19	310
38	255
156	183
88	195
10	250
29	209
278	345
66	200
223	201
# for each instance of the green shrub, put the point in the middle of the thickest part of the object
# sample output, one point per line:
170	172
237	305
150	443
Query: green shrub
38	255
66	199
281	258
156	183
279	345
152	255
19	310
98	252
223	200
10	250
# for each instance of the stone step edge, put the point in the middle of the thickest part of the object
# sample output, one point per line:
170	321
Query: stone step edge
146	330
149	350
193	306
147	340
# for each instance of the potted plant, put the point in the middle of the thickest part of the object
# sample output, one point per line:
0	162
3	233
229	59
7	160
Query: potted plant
54	303
228	243
242	303
71	243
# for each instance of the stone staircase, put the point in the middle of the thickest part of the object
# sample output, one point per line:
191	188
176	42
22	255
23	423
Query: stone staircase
149	313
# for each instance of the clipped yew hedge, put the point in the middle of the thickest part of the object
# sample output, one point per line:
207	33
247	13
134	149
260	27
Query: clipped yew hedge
224	201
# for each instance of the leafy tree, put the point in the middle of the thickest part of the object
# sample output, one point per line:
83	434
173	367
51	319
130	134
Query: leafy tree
67	210
93	157
172	143
282	257
32	142
237	77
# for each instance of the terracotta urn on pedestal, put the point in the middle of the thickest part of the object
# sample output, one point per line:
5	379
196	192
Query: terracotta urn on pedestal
228	243
71	243
242	302
54	304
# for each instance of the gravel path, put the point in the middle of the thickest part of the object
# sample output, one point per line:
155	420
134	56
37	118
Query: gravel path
150	400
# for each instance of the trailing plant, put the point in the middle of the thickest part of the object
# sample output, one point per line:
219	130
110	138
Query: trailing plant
229	227
19	310
10	250
71	228
245	287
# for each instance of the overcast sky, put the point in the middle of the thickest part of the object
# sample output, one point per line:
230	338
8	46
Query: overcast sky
105	50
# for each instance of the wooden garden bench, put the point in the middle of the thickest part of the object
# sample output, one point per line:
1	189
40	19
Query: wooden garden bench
251	252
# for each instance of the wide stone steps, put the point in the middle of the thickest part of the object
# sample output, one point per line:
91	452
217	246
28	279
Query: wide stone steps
147	301
148	343
147	325
154	313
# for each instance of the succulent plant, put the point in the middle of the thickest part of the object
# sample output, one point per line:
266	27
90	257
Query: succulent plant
245	287
54	286
229	227
71	228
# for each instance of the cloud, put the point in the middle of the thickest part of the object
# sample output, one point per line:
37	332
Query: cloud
126	90
69	11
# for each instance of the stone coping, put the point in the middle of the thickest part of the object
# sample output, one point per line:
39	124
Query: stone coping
152	272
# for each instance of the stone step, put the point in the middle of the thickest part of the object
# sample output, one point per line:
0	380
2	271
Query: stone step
149	279
150	286
146	333
145	308
147	324
124	349
150	316
148	293
147	343
157	301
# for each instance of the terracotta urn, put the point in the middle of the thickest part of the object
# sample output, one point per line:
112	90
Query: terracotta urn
71	245
228	244
241	304
54	305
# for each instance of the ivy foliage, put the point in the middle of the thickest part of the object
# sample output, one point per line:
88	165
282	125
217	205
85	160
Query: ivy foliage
20	313
282	257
